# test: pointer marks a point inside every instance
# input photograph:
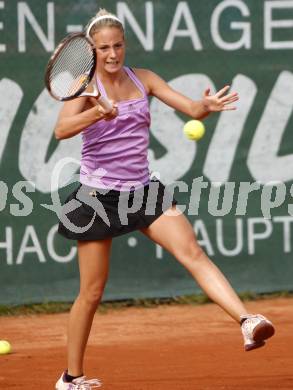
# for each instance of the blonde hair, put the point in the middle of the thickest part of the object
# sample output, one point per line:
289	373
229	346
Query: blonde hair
103	19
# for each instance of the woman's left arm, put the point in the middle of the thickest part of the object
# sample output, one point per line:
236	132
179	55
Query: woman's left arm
197	109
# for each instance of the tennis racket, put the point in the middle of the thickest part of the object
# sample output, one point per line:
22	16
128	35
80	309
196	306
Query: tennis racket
71	68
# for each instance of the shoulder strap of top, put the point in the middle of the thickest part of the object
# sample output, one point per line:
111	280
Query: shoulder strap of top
136	80
133	77
101	87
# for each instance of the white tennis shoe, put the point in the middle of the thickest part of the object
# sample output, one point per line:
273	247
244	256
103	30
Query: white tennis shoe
80	383
255	329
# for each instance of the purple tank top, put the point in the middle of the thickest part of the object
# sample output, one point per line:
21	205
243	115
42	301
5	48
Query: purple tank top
114	153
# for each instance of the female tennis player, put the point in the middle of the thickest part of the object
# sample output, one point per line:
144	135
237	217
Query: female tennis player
114	158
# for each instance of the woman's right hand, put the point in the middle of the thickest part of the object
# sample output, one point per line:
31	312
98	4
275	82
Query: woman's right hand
102	114
109	115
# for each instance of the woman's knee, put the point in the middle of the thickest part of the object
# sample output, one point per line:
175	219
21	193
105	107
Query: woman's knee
189	251
92	295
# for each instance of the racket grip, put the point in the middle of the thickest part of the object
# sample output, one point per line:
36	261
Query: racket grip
107	106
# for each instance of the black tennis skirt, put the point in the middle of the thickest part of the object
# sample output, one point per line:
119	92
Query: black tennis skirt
94	214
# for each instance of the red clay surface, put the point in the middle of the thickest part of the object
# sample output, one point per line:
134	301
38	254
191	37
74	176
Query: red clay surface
165	348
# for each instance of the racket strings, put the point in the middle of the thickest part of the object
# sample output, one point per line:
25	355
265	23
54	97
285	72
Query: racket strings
70	71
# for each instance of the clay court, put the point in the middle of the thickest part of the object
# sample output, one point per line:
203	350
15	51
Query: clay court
162	348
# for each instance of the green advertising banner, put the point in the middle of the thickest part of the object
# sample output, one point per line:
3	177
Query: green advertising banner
235	185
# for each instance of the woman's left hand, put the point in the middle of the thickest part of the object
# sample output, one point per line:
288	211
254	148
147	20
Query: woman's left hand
221	101
113	113
108	116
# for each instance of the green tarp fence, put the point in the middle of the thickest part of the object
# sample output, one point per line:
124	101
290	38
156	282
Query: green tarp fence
235	184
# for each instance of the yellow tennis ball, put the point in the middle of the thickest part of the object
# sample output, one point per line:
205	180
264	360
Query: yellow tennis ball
5	347
194	130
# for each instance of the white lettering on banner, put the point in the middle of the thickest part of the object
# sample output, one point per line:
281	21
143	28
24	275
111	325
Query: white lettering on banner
270	24
36	136
8	245
2	46
124	13
228	132
34	250
253	236
72	28
245	40
148	39
30	233
182	10
290	206
205	241
159	251
3	195
52	251
25	14
238	236
214	237
286	221
27	203
263	161
167	129
12	93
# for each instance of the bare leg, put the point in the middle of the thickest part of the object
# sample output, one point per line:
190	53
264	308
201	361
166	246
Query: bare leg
175	234
93	268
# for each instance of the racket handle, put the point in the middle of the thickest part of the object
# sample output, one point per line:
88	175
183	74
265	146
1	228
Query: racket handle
107	106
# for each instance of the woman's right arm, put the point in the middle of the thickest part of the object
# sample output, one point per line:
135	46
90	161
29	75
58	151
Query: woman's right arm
76	115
